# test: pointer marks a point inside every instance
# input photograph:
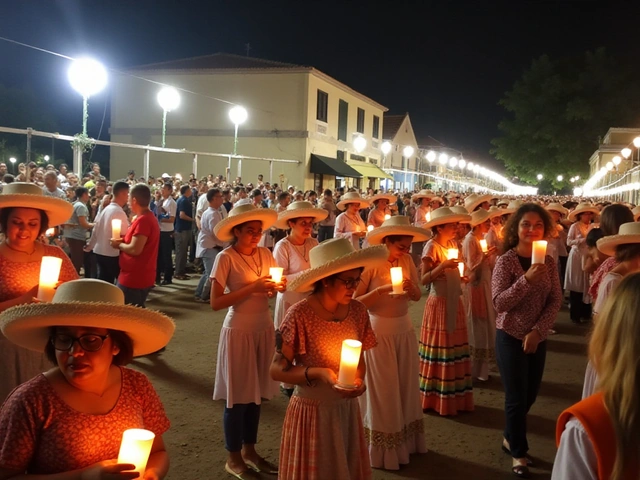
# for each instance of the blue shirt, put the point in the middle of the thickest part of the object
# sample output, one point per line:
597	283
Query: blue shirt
184	205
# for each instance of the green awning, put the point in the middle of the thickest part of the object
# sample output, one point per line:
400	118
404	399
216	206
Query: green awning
331	166
370	170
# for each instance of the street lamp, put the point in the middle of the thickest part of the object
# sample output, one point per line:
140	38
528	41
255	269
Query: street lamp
462	163
453	161
616	160
87	77
560	178
13	164
46	158
238	116
386	148
407	152
360	143
431	156
443	158
169	100
540	176
470	166
626	152
609	166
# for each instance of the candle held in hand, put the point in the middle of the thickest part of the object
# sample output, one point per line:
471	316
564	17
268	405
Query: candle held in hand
49	273
483	245
50	232
349	360
135	448
387	216
276	274
427	217
116	227
539	252
396	280
461	268
369	228
452	254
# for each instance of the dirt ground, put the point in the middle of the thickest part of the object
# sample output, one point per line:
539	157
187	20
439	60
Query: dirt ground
463	447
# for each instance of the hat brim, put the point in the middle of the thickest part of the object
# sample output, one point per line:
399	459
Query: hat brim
608	245
457	218
377	235
419	196
561	211
478	201
342	205
366	258
572	216
383	196
224	229
318	214
58	211
29	325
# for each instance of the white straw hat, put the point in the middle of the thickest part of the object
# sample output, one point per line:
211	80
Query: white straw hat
391	198
423	194
300	209
557	207
30	195
636	213
462	211
352	197
628	233
398	225
86	303
513	207
480	216
473	200
582	208
242	214
443	215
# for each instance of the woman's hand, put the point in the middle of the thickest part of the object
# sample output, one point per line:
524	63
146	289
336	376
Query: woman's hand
326	375
264	285
109	470
384	289
536	273
30	296
450	263
530	341
282	285
115	242
410	287
351	393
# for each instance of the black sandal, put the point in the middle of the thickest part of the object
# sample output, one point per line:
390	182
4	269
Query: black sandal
529	459
521	471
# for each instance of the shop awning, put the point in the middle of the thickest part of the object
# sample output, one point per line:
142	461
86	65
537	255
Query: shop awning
331	166
370	170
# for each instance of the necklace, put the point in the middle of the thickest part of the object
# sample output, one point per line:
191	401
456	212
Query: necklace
20	251
333	314
304	252
258	269
353	220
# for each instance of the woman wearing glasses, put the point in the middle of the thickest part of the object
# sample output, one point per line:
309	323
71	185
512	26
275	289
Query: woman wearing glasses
70	420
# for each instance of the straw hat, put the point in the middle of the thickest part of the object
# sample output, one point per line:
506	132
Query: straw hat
495	212
86	303
242	214
30	195
479	216
352	197
636	213
582	208
300	209
473	200
628	233
443	215
513	207
461	210
503	201
398	225
423	194
383	196
556	207
335	256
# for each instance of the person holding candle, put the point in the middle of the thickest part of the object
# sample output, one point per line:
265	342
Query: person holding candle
247	337
558	238
381	202
349	224
527	298
445	364
393	422
69	421
323	436
421	216
25	214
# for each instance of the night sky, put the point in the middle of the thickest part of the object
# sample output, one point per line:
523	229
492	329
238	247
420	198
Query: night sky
447	63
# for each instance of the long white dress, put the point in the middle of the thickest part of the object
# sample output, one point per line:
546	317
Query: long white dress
419	220
391	409
247	339
575	279
347	226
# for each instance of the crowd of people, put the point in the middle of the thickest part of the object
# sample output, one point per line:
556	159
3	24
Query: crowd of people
489	308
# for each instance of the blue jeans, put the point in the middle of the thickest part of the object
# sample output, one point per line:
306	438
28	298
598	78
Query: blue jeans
183	240
134	296
241	425
208	259
325	233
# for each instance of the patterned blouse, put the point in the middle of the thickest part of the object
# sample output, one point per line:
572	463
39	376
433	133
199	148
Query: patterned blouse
597	277
522	306
41	434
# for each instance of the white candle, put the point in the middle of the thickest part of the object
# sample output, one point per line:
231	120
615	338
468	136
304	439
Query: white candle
387	216
276	274
49	273
452	254
116	226
349	360
50	232
396	280
539	252
135	448
483	245
461	268
427	217
369	228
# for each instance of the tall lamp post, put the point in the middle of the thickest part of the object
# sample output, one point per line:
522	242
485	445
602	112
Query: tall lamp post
407	152
238	116
87	77
169	100
386	149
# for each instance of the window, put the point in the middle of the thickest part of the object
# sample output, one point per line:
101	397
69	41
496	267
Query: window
360	125
376	127
343	117
322	106
340	155
359	158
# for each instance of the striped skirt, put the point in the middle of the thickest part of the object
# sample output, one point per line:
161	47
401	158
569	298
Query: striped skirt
445	362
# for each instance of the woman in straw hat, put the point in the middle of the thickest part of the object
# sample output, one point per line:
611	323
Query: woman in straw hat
247	337
598	437
445	370
480	312
527	298
558	238
25	214
381	202
70	420
476	201
322	436
393	423
349	225
576	280
420	218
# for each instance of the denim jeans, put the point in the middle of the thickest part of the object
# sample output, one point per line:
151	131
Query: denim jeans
208	259
165	262
521	377
241	425
108	268
324	233
134	296
183	240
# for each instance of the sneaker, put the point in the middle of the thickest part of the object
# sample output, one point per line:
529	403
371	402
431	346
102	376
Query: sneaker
201	300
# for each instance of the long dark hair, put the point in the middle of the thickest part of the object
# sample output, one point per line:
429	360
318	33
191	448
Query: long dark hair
511	238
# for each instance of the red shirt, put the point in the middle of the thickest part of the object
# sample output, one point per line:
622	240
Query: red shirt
140	271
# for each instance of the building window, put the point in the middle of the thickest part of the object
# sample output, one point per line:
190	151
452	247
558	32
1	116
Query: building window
360	125
358	158
343	117
376	127
323	106
340	155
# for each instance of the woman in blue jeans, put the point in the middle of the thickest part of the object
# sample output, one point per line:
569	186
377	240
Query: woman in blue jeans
208	245
527	299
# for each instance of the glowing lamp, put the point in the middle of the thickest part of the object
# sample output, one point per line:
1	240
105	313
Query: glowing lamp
385	147
431	156
370	228
116	227
49	273
387	216
539	176
483	245
443	158
408	151
609	166
539	252
617	160
636	142
461	269
626	152
50	232
452	254
135	448
169	99
349	360
276	274
87	76
238	115
427	217
360	143
397	279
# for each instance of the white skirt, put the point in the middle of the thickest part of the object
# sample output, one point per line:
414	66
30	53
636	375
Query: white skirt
284	301
245	351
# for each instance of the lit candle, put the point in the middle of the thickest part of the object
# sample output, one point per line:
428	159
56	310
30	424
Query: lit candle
349	360
49	273
483	245
452	254
369	228
135	448
116	226
276	274
50	232
461	268
428	217
539	251
387	216
396	280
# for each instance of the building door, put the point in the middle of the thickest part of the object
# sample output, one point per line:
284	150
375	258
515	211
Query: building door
343	118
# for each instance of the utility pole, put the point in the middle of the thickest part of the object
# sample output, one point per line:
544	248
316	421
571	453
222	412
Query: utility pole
247	47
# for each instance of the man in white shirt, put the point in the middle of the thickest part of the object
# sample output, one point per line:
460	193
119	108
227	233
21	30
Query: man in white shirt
166	213
107	257
50	188
208	245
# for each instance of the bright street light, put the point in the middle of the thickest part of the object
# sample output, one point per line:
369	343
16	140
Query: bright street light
443	158
577	177
626	152
560	178
540	176
407	151
238	116
453	161
616	160
609	166
169	100
13	164
470	166
360	143
462	163
431	156
636	142
385	147
87	77
12	160
46	158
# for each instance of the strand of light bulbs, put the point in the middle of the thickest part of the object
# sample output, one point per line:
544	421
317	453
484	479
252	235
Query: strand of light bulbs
588	188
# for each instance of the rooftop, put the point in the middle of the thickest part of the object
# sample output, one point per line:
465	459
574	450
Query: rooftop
219	61
391	125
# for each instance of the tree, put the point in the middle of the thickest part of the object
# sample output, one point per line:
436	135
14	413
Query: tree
558	111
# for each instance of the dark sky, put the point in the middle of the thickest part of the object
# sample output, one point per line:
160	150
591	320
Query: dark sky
447	63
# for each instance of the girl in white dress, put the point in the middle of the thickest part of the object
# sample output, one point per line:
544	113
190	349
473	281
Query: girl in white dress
391	407
422	215
240	281
349	224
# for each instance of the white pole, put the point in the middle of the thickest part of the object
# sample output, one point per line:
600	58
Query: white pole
145	166
271	172
240	168
77	161
195	165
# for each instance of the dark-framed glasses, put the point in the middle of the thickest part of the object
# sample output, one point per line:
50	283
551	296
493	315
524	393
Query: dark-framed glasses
350	283
89	342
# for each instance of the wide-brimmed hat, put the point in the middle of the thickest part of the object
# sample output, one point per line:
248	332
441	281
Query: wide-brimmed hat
556	207
636	213
503	201
390	197
479	216
86	303
335	256
242	214
628	233
300	209
582	208
513	207
462	211
30	195
495	211
443	215
352	197
473	200
423	194
398	225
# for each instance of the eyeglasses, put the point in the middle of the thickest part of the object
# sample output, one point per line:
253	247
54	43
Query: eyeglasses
89	342
350	283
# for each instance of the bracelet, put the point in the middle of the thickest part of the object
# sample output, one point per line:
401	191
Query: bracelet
306	376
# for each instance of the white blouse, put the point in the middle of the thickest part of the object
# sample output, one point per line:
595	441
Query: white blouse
347	226
576	458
